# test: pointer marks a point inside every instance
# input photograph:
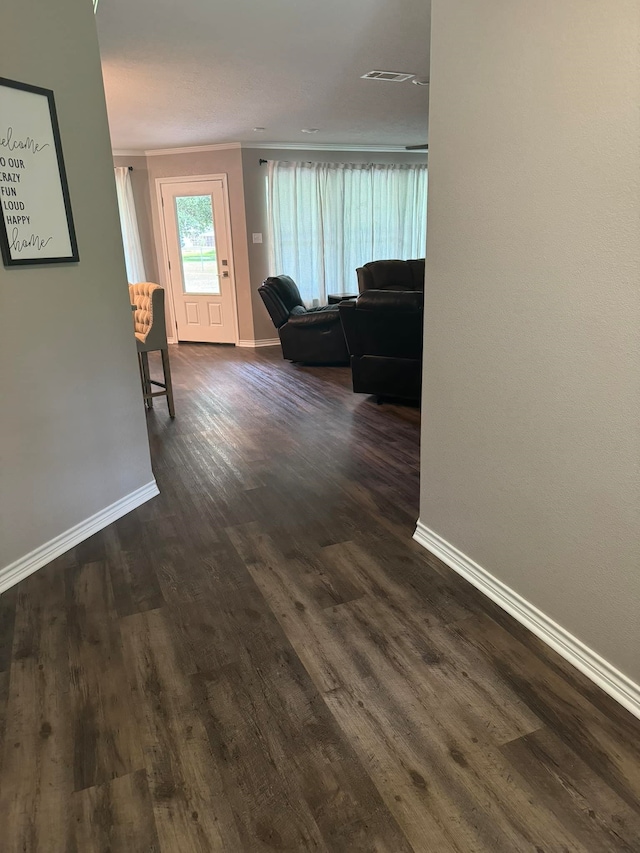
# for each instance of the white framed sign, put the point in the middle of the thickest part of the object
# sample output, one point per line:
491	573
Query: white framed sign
36	222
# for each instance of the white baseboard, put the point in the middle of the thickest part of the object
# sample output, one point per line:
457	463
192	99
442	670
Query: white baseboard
600	671
266	342
25	566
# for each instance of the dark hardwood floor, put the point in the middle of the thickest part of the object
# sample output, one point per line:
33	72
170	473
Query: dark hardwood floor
261	659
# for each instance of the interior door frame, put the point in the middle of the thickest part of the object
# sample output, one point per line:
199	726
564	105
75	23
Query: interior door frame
192	179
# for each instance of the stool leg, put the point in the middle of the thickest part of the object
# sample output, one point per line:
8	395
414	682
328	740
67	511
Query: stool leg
147	385
166	369
141	369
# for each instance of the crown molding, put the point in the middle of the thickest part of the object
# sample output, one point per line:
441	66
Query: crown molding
330	146
284	146
191	149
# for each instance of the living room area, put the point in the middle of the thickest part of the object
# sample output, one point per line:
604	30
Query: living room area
295	617
313	192
322	224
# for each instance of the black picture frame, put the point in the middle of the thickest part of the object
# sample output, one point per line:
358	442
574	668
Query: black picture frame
27	147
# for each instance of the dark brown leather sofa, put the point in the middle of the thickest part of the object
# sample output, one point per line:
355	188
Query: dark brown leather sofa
384	329
308	335
391	275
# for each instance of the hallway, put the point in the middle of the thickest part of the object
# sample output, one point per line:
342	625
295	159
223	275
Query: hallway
262	659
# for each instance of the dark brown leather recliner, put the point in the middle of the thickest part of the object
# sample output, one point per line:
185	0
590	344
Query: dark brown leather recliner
308	335
384	334
391	275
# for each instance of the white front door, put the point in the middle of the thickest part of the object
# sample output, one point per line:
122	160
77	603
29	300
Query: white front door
200	268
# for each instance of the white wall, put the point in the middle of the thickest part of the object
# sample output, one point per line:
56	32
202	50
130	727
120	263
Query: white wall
72	432
531	410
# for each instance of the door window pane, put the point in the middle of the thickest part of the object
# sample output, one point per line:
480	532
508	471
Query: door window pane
194	214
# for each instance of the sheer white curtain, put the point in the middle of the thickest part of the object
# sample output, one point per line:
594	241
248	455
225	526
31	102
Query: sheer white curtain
129	226
326	219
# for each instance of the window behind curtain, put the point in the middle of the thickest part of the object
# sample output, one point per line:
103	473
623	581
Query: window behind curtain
326	219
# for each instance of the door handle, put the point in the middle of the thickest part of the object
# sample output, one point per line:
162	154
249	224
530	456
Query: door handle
225	274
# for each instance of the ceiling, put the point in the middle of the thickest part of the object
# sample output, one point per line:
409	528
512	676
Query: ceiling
180	73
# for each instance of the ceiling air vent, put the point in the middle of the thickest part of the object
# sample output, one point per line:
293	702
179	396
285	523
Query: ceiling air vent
392	76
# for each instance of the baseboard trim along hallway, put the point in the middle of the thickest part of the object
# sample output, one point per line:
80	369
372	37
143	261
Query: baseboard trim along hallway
596	668
262	659
30	563
265	342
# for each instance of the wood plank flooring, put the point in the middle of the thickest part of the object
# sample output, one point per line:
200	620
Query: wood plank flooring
261	659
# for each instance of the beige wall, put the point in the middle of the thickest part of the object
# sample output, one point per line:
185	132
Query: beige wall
72	433
531	410
142	198
222	161
255	175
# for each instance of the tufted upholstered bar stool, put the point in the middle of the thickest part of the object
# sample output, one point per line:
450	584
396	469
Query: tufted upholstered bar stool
151	334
